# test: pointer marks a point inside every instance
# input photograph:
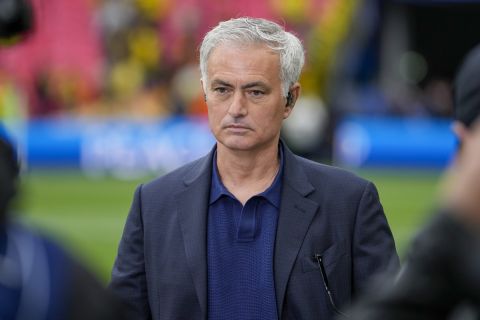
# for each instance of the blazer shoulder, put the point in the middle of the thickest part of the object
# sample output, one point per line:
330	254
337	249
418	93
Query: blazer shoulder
177	179
332	176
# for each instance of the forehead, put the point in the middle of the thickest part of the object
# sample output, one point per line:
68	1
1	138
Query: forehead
243	60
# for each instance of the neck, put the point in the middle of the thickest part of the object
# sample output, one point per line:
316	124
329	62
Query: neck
246	174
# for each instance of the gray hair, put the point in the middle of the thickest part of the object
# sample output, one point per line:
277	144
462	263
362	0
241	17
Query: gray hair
257	31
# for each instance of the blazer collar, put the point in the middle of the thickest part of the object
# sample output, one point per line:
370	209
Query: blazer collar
295	176
296	214
192	204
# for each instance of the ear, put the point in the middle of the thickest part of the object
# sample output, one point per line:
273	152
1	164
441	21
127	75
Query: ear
460	130
202	84
294	92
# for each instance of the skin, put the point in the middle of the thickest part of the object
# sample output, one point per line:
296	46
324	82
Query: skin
460	130
461	189
246	109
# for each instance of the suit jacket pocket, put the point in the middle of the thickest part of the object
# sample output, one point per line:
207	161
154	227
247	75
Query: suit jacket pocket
330	256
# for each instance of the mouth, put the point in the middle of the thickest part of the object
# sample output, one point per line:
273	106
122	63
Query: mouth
237	128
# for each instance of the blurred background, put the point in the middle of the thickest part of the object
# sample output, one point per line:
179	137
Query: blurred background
101	95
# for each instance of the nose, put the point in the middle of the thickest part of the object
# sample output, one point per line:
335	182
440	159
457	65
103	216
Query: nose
237	107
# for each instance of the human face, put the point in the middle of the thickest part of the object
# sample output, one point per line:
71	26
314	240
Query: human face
244	97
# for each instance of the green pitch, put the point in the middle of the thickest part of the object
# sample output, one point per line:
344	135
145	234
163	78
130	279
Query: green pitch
87	215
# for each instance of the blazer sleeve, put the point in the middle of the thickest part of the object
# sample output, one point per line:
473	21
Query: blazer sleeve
128	275
373	245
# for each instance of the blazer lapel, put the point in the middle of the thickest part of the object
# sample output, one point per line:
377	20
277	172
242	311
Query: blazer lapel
192	204
296	214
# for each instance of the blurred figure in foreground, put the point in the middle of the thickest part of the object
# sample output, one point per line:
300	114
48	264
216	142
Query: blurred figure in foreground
38	280
15	20
441	276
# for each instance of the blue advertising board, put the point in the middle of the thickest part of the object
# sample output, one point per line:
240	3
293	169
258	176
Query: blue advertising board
118	147
129	148
394	142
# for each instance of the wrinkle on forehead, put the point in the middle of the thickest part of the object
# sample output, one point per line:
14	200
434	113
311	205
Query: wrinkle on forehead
236	61
242	47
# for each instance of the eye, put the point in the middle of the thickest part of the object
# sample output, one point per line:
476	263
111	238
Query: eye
220	90
256	93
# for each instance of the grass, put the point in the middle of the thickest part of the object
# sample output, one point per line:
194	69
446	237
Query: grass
408	199
87	215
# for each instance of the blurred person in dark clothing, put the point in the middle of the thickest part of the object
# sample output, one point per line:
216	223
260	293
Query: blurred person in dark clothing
38	279
16	19
441	276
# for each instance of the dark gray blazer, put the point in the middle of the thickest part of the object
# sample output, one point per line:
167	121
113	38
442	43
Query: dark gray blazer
161	267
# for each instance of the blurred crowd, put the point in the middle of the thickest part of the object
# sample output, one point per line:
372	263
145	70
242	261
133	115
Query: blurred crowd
139	57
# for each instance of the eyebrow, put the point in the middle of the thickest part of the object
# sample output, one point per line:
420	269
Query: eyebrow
243	87
255	84
220	82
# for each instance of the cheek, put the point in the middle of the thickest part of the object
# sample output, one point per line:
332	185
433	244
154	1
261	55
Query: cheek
212	122
269	121
215	116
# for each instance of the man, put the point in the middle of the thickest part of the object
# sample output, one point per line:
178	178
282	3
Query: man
441	276
250	231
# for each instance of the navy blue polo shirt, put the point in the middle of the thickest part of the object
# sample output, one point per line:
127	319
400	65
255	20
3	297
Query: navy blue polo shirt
241	242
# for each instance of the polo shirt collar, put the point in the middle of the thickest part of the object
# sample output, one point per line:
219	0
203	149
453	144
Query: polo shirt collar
272	194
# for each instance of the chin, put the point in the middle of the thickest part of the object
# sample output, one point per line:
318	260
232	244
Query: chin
245	143
238	143
238	146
